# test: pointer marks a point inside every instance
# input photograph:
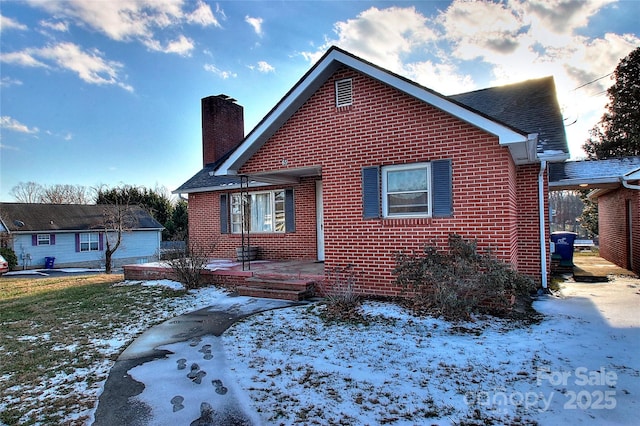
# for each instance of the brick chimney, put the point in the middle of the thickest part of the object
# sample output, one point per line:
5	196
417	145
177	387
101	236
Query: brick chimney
222	127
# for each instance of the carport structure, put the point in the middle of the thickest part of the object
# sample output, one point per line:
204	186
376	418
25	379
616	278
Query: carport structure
615	185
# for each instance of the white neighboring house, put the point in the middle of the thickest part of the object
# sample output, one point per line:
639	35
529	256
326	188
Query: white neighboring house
74	235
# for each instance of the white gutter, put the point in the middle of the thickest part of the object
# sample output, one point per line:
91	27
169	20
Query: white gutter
543	233
631	176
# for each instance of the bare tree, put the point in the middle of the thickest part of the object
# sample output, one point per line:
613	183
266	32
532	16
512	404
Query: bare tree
27	192
66	194
118	218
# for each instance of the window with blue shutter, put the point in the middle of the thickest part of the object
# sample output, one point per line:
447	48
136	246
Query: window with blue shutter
371	192
408	190
224	214
289	211
442	188
260	211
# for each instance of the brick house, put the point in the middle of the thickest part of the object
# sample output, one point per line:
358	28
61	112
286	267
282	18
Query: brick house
356	163
615	185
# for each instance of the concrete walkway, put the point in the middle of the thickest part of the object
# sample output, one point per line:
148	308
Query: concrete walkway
175	372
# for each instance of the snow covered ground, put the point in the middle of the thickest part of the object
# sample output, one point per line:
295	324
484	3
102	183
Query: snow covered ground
579	365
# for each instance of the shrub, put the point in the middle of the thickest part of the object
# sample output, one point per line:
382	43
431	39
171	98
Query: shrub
341	301
460	281
188	263
10	257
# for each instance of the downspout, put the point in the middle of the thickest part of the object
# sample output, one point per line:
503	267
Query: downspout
543	233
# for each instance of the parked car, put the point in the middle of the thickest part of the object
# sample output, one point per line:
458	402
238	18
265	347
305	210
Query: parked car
4	265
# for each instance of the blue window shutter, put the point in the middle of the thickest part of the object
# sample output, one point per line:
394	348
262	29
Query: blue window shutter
442	187
77	242
52	239
34	239
371	192
101	241
289	211
224	213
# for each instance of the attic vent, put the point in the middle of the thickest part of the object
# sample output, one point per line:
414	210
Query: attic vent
344	93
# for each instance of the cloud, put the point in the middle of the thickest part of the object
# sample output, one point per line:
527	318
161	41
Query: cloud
141	20
222	74
90	66
8	82
10	24
202	15
476	44
256	23
182	46
60	26
12	124
265	67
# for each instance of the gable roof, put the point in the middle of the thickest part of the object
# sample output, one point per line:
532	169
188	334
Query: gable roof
29	218
522	142
607	173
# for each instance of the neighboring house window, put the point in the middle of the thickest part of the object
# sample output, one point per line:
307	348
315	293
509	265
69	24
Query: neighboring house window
89	242
265	212
43	239
344	93
406	190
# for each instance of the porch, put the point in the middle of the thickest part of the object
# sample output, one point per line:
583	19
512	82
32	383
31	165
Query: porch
288	280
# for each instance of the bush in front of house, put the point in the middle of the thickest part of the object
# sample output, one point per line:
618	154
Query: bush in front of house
188	262
342	303
459	281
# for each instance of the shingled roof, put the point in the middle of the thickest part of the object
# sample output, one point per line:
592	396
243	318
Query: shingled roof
591	173
530	106
27	217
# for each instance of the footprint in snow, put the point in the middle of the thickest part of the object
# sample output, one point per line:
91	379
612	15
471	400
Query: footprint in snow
177	401
194	371
220	389
182	364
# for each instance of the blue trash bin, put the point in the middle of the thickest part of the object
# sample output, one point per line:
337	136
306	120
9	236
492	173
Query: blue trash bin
563	242
48	262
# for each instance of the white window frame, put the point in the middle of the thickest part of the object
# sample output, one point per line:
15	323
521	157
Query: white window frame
44	239
385	193
275	217
87	242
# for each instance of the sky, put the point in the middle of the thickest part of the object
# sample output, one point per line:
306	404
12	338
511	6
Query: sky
96	92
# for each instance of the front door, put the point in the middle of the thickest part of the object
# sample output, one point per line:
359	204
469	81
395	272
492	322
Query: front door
319	221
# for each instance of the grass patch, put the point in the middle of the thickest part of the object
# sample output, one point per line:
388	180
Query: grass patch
59	338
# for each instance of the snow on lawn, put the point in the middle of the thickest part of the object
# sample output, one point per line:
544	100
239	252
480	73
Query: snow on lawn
286	366
575	366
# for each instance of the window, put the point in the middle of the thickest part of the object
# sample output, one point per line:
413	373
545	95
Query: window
265	212
344	93
406	190
89	242
44	239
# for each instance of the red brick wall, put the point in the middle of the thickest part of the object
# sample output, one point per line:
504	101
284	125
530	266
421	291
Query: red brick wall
613	220
529	220
204	227
385	127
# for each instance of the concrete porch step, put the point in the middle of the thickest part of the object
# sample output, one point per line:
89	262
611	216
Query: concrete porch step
270	293
279	283
277	287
